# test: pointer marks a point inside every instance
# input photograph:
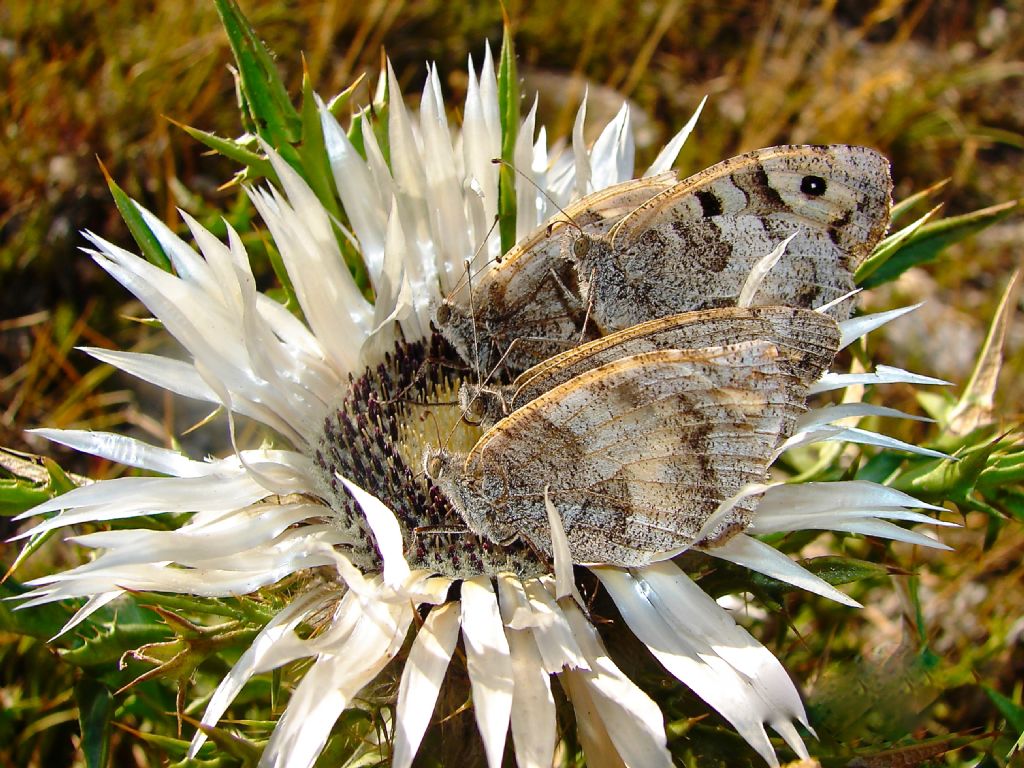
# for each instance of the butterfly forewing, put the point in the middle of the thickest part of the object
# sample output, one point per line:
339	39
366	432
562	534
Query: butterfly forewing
638	453
693	246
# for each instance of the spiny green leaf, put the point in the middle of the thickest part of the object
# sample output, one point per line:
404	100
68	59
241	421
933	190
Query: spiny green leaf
59	480
256	165
167	745
835	570
145	239
26	486
380	110
936	404
240	609
110	643
880	467
340	103
844	570
231	743
95	712
42	622
355	132
1004	471
17	496
265	97
929	241
952	479
508	110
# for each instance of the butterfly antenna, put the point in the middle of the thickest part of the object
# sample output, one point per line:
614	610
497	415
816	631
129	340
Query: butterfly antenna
569	220
472	313
476	253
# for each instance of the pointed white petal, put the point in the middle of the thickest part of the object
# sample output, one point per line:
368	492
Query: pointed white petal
667	157
830	433
857	327
279	629
488	664
126	450
386	533
760	271
848	494
700	644
886	530
329	685
564	583
172	375
758	556
187	264
533	706
611	159
883	374
421	680
555	641
633	722
594	738
360	196
579	150
93	604
832	413
530	204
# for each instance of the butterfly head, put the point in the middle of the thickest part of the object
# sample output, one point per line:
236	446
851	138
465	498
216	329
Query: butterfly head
481	405
438	464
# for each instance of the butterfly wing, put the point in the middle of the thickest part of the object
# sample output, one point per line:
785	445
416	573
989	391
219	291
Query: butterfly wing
693	246
808	340
531	297
638	453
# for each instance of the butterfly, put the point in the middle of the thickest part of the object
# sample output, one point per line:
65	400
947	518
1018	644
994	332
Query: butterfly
806	338
527	306
687	246
638	453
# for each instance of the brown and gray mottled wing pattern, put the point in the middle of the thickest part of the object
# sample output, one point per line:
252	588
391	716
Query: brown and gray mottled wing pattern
808	341
639	452
531	295
693	246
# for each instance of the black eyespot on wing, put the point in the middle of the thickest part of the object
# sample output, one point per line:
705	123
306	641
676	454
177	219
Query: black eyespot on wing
813	186
709	203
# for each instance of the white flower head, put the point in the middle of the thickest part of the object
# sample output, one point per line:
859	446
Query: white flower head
353	400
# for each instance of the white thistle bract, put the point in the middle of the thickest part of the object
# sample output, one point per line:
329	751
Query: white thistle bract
342	497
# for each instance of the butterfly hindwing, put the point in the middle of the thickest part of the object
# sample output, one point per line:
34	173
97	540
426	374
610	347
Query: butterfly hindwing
638	453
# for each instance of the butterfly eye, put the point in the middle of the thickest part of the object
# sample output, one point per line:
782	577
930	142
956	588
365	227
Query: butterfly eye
813	186
474	414
443	314
581	247
433	466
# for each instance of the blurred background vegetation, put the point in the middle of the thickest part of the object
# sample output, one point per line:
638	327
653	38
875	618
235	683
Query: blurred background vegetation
937	86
